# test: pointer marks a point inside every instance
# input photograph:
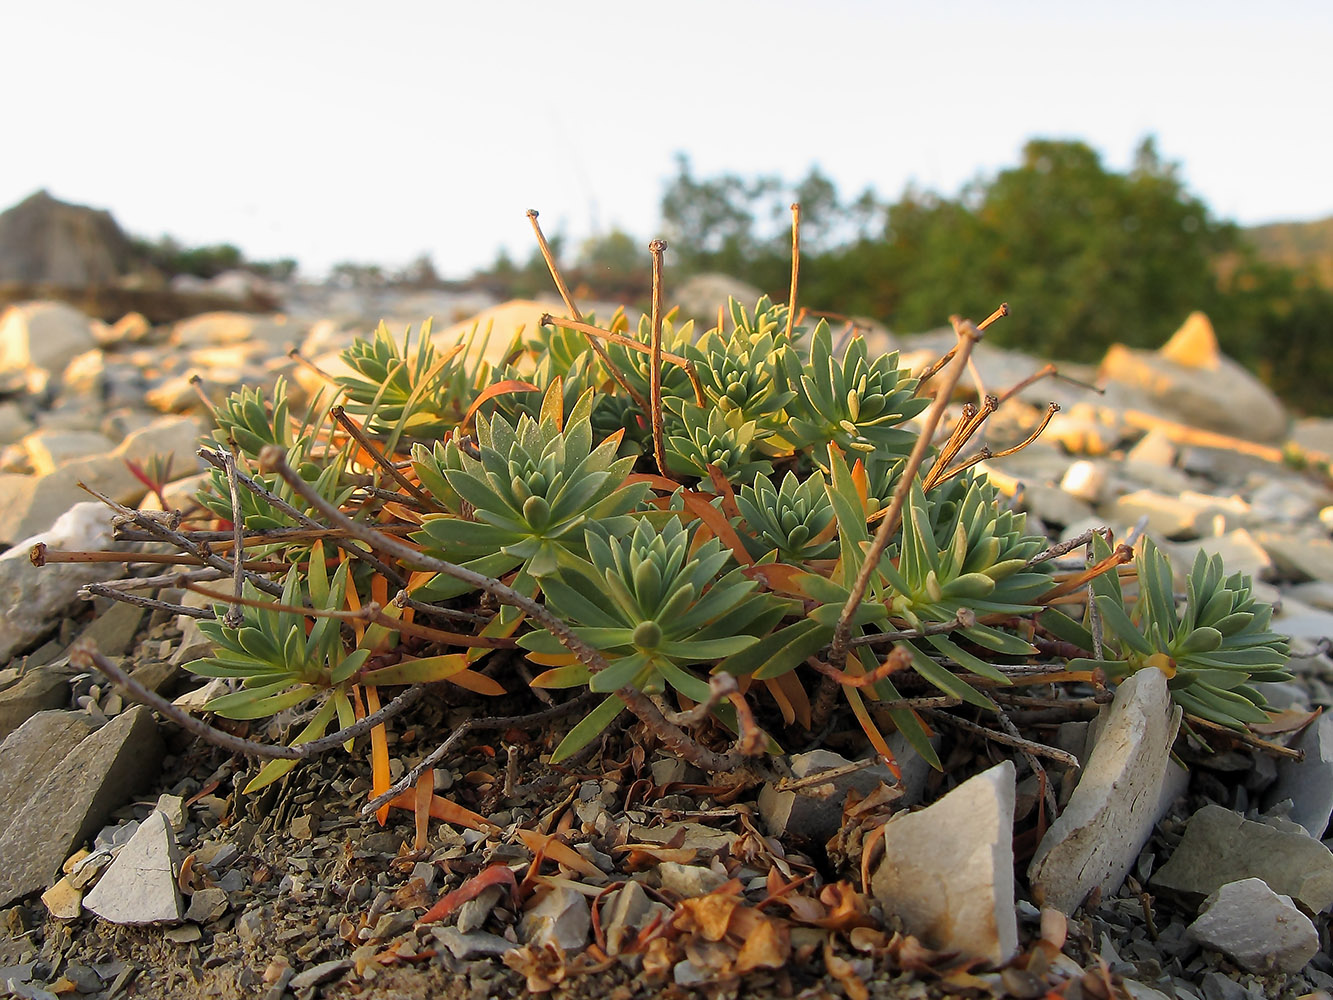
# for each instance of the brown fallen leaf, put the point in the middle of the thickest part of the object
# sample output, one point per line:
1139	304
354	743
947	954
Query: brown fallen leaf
842	970
496	874
558	851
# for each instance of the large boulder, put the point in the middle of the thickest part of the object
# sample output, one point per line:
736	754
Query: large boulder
33	598
1190	380
46	241
700	296
43	335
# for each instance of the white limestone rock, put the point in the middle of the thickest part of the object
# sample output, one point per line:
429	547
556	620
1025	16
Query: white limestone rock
948	870
1300	555
1261	929
43	335
1221	846
32	598
1308	783
1085	480
140	886
1191	381
1117	800
815	811
560	917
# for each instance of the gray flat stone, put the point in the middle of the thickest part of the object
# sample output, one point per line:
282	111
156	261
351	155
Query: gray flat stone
560	917
815	811
140	886
1260	929
98	775
1220	846
688	881
32	752
40	689
948	870
33	598
1117	800
629	911
1309	783
114	628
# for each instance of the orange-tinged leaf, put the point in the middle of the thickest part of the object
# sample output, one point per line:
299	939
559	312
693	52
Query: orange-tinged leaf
379	590
717	522
444	810
379	756
425	670
501	388
403	513
1289	720
869	728
862	483
425	791
724	490
796	695
494	875
843	971
780	578
767	946
478	683
353	604
660	483
559	852
712	914
550	660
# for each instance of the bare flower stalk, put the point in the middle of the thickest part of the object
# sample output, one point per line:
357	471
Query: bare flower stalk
657	248
795	265
560	285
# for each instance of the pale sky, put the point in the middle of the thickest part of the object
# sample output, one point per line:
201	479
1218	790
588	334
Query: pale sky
374	132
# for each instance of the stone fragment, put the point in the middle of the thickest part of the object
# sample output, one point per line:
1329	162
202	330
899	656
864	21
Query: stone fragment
701	295
1201	388
220	328
33	751
74	800
32	598
173	436
39	690
1300	556
48	450
629	911
473	913
114	628
1220	846
43	335
1178	516
1262	930
1116	803
1300	621
320	973
63	901
477	944
688	881
1308	783
140	886
206	905
1085	480
948	870
815	811
1240	552
1154	448
560	917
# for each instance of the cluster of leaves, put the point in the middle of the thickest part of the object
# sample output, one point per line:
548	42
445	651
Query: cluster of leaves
736	560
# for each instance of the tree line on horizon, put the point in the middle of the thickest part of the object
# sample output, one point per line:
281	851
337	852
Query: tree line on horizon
1086	256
